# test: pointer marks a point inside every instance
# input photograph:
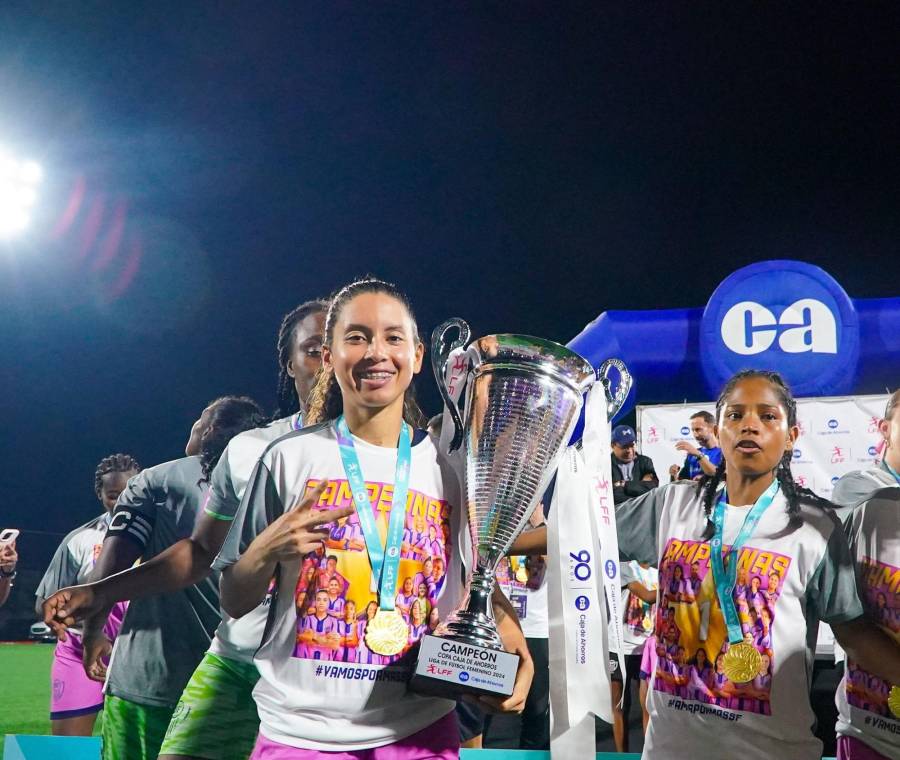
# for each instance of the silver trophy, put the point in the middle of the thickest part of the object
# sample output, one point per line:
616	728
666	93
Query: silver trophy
523	399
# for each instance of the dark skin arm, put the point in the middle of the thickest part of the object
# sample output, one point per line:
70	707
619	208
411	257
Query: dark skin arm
530	542
642	592
183	564
869	646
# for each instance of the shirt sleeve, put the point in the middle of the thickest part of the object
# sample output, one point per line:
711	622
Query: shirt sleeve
627	574
637	523
832	594
135	513
62	571
260	506
223	502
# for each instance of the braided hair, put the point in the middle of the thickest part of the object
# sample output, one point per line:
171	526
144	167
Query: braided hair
325	401
794	494
288	402
228	416
113	463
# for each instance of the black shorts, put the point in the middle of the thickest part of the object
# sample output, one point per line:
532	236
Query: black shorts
632	668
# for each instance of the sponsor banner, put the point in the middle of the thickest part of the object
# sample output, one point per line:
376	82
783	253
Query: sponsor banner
837	435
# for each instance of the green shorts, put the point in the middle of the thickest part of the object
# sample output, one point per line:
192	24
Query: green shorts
216	716
131	731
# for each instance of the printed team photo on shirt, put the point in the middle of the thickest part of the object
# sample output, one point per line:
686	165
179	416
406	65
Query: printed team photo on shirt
638	613
334	596
516	576
881	598
690	628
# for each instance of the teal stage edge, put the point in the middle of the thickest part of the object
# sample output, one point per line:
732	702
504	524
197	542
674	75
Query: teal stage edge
88	748
21	747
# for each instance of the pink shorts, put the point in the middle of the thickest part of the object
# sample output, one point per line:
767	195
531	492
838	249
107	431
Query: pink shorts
73	693
850	748
648	659
439	741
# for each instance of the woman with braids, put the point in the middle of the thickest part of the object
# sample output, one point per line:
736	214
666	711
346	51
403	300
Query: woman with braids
75	699
751	516
164	636
216	716
368	454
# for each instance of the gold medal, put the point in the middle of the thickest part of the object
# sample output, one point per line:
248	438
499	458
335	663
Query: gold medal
387	633
894	701
741	662
647	623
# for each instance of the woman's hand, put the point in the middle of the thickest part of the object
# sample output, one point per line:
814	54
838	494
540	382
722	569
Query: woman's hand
299	531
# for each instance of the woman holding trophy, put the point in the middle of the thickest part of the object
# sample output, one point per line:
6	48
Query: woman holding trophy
364	454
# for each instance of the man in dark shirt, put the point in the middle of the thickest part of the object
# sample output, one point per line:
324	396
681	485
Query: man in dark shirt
633	474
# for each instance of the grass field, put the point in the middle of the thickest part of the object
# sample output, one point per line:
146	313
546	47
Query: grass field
26	679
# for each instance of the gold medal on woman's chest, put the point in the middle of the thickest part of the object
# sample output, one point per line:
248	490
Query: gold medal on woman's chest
741	662
387	634
894	701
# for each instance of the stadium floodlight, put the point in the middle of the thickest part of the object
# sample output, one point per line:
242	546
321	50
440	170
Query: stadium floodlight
19	181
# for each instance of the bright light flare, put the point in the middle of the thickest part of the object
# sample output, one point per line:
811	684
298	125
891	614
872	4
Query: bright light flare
19	181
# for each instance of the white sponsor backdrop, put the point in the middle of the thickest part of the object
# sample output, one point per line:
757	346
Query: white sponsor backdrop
837	434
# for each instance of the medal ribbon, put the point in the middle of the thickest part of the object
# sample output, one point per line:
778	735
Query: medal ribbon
725	578
893	472
385	559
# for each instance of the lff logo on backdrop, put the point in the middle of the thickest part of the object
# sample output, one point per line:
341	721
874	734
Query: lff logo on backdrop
783	315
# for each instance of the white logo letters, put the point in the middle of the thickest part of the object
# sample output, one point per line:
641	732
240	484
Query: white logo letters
806	325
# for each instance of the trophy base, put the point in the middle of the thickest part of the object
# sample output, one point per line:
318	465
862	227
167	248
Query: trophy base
450	667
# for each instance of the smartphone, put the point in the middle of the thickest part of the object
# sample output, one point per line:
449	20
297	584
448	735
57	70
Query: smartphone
8	535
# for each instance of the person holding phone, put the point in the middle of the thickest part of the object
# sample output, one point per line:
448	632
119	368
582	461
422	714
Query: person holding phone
8	560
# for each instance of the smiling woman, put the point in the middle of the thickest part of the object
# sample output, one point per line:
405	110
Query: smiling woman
369	363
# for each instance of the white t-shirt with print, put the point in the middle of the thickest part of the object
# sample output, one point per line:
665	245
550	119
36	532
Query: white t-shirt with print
239	639
320	687
788	579
637	625
523	581
861	698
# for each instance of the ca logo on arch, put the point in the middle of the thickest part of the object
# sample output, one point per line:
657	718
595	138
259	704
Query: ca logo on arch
806	325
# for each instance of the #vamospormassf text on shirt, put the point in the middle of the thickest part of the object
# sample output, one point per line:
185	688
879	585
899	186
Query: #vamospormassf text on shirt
787	580
861	698
164	636
320	686
239	639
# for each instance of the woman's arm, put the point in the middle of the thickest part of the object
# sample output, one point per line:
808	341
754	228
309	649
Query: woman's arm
870	647
292	536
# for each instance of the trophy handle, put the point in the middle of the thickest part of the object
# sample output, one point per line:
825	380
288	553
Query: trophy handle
614	402
440	355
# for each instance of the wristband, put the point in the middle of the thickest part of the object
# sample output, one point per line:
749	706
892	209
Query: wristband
10	575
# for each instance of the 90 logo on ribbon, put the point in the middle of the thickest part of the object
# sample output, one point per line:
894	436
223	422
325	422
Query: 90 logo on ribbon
582	566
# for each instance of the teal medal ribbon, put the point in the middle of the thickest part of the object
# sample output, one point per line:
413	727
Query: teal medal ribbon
385	559
725	578
892	471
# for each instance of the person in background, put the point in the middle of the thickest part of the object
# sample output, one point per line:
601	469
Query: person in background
163	637
633	474
702	459
639	589
216	717
801	540
868	725
75	699
8	561
856	487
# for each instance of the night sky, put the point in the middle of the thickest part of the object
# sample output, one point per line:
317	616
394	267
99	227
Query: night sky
525	166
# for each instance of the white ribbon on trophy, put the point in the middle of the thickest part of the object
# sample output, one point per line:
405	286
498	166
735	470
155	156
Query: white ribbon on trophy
597	451
579	652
